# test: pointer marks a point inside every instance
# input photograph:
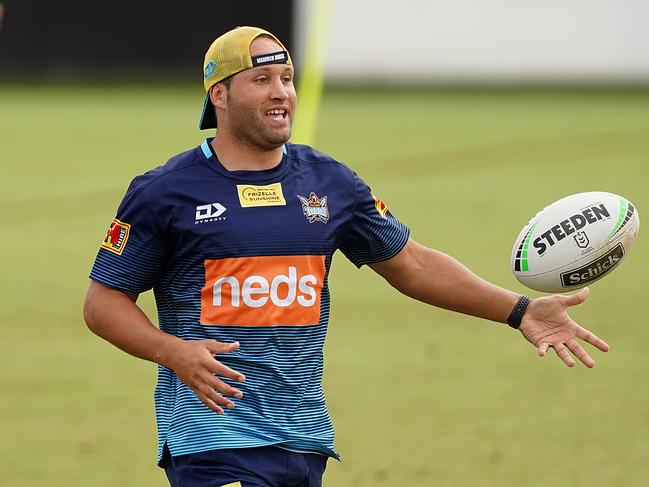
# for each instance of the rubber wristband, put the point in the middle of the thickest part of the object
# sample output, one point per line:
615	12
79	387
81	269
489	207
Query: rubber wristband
516	316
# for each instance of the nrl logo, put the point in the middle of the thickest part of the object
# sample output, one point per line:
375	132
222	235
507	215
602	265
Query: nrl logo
581	240
314	208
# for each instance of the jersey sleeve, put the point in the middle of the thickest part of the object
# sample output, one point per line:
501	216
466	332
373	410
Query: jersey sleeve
374	234
133	251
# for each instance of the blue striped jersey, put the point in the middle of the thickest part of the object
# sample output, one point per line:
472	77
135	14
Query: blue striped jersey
245	256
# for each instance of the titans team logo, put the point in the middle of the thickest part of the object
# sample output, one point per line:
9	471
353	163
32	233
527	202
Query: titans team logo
314	208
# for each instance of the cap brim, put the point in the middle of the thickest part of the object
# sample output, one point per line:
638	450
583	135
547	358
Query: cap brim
208	117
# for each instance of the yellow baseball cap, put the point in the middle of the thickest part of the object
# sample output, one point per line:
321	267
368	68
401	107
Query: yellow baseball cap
229	55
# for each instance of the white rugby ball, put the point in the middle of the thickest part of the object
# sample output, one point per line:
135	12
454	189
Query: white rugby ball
575	241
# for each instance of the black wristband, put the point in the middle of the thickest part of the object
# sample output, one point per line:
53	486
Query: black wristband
516	316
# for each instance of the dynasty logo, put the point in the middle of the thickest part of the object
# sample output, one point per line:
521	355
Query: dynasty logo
569	226
209	213
593	270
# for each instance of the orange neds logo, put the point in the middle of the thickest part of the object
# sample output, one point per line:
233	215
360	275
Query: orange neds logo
263	291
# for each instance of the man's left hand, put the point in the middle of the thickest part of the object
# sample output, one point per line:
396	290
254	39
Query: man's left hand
546	324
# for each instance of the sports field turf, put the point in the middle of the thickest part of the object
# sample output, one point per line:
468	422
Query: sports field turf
418	396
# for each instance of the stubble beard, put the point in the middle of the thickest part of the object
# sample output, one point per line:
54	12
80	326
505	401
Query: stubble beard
252	131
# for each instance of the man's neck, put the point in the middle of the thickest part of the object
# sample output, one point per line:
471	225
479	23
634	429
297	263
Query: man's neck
235	156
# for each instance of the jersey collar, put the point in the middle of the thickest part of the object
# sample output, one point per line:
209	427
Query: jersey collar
261	175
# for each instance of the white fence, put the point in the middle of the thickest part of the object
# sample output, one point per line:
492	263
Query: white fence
485	41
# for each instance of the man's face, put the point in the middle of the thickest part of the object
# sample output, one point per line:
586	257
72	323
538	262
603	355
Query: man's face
260	102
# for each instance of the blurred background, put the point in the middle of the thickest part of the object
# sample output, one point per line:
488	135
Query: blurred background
466	117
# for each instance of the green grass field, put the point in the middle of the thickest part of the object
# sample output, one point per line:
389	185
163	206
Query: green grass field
419	396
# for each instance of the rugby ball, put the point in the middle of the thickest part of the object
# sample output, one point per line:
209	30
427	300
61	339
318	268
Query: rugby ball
575	241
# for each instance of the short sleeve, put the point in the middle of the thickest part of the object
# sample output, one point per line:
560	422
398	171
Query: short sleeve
133	252
374	234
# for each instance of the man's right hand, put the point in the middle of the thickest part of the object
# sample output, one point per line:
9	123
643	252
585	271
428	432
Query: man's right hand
114	316
195	364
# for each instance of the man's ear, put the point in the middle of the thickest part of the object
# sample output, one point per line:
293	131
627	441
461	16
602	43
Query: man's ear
218	94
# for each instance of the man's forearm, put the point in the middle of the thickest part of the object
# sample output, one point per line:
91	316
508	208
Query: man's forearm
115	317
454	287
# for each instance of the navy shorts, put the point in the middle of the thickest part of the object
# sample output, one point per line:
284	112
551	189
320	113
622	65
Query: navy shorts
266	466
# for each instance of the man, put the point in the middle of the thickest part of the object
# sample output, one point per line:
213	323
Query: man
236	238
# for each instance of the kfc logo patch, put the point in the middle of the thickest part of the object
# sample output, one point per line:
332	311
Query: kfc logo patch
380	206
116	237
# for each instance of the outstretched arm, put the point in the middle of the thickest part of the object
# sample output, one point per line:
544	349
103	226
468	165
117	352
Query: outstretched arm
435	278
114	316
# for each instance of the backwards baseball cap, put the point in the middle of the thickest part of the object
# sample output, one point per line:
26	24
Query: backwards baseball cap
229	55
